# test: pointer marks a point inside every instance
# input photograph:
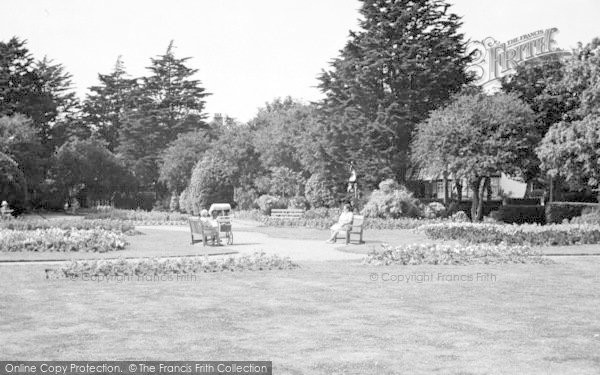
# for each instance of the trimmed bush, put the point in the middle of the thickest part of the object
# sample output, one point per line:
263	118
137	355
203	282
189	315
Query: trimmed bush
521	214
391	201
588	216
449	254
62	240
169	266
319	191
559	212
526	234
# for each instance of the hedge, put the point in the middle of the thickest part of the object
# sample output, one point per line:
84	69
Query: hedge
521	214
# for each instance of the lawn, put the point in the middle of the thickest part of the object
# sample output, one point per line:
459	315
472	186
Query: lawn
324	318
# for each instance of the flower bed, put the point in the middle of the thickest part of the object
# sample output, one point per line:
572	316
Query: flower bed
530	234
170	266
139	216
370	223
28	224
446	254
62	240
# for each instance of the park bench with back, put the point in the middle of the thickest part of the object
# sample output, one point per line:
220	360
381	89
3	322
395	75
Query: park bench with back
288	213
198	229
356	230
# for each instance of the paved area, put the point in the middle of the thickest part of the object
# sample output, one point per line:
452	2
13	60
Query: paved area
250	242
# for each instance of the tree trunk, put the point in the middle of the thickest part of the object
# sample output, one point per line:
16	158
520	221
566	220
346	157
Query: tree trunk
475	183
478	187
445	188
483	187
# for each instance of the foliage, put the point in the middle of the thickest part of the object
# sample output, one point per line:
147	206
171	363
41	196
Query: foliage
178	159
285	183
391	201
450	254
267	202
13	187
211	182
107	102
520	214
433	210
170	266
185	202
530	234
319	191
407	59
570	150
557	213
167	103
476	136
88	164
588	217
245	198
327	222
63	240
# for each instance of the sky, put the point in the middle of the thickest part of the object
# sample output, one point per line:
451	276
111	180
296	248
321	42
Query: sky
247	52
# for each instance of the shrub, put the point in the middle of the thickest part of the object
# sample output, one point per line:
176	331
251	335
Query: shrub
210	183
588	216
299	202
520	214
63	240
559	212
28	224
245	198
13	187
530	234
267	202
451	254
319	191
433	210
459	217
327	222
169	266
185	202
391	201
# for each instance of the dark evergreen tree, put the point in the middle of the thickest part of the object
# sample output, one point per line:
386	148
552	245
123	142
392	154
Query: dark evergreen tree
106	104
407	60
167	103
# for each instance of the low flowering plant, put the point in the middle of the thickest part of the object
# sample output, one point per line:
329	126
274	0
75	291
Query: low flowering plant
170	266
61	240
524	234
453	254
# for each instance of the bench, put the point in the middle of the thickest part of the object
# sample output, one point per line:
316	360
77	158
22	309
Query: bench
288	213
197	230
356	229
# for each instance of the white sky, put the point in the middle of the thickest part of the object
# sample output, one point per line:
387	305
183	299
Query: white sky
248	52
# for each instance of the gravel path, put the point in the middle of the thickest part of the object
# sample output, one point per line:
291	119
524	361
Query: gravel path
251	242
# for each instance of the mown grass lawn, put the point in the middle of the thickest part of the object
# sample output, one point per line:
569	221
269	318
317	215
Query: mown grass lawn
324	318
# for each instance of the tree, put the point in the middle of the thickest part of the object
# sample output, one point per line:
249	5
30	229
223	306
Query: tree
19	140
106	103
570	150
278	128
168	102
88	164
178	160
13	187
210	183
407	60
476	136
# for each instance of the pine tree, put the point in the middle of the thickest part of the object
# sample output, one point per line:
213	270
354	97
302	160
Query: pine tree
106	103
407	60
167	103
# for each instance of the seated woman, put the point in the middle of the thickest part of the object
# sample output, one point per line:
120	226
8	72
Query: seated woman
211	226
344	223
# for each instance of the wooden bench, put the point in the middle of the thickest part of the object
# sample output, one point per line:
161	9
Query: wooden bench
197	230
288	213
356	229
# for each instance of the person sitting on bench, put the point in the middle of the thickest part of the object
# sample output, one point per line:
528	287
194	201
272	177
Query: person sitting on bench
211	226
344	223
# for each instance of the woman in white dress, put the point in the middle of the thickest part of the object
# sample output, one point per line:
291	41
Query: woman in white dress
344	223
